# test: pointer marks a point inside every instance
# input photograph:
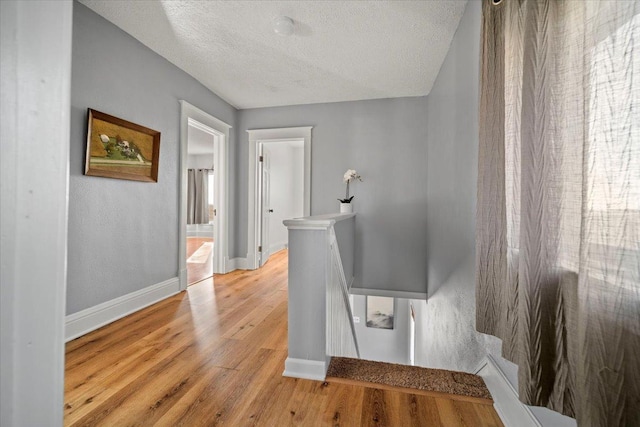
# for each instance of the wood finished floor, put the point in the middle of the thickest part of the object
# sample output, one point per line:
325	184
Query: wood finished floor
214	355
196	271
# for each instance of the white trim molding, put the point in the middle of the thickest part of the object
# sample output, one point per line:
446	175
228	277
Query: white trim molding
35	101
306	369
92	318
507	404
317	222
257	136
512	412
278	247
388	293
235	264
191	115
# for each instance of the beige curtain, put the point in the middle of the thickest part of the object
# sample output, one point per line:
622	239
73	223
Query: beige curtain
197	196
558	220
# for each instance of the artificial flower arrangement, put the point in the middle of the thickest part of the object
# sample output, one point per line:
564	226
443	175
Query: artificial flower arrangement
349	176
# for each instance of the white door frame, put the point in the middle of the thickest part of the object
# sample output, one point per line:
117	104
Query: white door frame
217	139
261	212
221	130
257	136
35	70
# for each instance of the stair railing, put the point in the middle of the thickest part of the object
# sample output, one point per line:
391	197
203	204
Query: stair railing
320	321
341	332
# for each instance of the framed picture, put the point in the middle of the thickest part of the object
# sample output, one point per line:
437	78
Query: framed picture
380	312
120	149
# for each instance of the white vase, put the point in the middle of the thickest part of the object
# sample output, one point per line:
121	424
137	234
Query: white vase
346	207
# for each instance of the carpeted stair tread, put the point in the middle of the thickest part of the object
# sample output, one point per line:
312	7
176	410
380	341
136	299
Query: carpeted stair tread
415	377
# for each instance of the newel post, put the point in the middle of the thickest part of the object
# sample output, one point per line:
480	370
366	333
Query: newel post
309	271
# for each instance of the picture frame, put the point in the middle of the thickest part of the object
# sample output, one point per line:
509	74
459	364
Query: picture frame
117	148
380	312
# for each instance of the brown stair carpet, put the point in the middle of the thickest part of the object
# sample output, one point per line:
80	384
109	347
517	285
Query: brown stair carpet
414	377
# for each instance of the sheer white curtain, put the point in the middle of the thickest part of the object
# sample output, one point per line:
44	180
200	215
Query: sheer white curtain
197	196
558	221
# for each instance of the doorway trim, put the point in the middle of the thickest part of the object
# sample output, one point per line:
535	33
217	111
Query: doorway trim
35	65
221	195
257	136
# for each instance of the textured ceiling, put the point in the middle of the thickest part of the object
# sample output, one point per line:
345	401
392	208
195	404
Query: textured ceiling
340	50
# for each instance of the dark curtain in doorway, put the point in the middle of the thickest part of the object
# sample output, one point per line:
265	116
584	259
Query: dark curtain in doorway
197	191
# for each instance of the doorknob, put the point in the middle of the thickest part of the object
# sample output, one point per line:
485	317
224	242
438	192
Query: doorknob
271	210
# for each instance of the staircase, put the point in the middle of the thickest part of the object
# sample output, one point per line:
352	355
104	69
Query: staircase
322	343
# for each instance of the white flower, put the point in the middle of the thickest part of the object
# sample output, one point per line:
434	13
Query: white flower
104	138
351	175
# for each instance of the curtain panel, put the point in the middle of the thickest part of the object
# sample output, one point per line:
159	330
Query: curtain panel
197	196
558	219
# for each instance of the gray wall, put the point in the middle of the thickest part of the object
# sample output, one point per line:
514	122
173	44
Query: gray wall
445	330
452	156
123	235
386	141
384	345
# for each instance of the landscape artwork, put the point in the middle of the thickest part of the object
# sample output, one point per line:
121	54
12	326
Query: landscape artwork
120	149
380	312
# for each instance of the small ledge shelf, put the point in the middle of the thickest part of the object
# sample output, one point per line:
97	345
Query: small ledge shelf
317	222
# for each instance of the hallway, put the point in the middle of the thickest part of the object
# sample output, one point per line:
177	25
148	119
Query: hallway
212	356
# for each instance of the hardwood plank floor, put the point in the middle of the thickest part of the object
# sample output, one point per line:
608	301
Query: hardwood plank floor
214	355
198	271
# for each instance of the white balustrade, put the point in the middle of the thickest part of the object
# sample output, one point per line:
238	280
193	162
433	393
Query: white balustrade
321	256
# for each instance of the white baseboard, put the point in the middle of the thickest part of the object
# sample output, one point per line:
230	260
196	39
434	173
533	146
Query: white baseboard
306	369
278	247
92	318
200	230
236	264
388	293
251	262
506	402
512	412
192	233
182	277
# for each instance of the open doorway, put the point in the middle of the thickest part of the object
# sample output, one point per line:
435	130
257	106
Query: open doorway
259	243
201	210
203	249
281	188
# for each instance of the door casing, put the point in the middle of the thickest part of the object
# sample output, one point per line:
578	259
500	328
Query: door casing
265	205
257	136
221	195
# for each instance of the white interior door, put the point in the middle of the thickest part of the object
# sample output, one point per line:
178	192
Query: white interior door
266	206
